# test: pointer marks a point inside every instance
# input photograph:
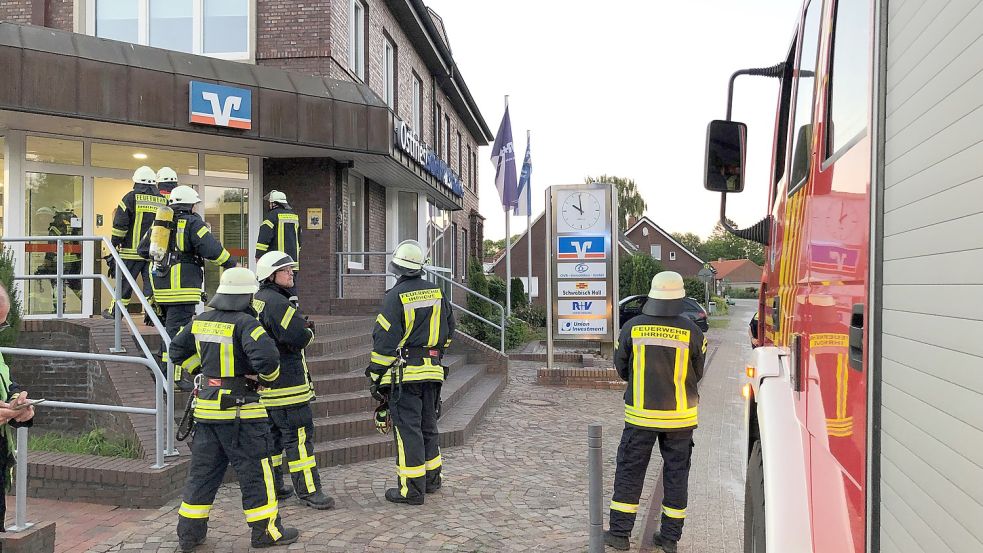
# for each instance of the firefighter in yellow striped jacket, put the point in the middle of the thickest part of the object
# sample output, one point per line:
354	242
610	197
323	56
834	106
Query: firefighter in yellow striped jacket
409	339
234	355
132	219
177	280
287	399
660	353
280	231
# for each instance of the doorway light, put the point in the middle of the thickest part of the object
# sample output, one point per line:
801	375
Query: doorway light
140	156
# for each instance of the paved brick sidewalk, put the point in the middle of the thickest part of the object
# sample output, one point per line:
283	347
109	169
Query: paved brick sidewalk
520	485
80	527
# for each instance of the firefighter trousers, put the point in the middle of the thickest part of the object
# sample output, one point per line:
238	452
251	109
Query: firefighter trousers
292	429
176	316
137	268
246	446
417	438
633	459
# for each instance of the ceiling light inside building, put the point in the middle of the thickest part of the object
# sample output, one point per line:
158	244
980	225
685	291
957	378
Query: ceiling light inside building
140	155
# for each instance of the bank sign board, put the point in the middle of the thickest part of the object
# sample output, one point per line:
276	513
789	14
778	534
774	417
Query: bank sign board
582	263
220	106
410	143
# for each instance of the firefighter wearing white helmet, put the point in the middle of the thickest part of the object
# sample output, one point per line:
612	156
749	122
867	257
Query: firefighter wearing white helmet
178	276
234	355
166	181
660	353
280	231
406	374
62	216
133	218
287	399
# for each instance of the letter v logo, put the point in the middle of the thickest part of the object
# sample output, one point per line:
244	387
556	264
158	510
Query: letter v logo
223	112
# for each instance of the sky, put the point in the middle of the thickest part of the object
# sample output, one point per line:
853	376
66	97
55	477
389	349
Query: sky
625	88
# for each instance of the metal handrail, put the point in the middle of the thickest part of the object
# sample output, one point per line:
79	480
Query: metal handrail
430	271
21	450
120	314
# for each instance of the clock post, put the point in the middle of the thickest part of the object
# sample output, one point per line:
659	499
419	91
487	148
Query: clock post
582	266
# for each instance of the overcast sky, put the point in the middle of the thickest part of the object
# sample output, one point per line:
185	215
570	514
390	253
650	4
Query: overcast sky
622	87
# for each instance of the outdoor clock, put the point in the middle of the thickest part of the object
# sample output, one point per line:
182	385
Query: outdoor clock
582	210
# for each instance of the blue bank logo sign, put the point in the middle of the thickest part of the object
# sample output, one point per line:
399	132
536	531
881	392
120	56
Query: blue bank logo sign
580	247
221	106
582	307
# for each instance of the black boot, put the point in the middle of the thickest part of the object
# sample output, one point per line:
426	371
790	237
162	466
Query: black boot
188	545
667	545
317	500
433	484
616	542
393	495
287	536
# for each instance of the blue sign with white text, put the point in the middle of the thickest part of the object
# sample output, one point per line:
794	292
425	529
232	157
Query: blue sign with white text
580	247
221	106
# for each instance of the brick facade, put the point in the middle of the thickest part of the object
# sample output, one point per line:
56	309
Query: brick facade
57	14
645	234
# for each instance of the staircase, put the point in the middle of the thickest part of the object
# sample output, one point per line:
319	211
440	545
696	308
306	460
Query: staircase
343	411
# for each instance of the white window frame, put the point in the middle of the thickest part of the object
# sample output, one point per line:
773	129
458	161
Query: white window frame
356	38
417	106
389	72
198	31
672	256
655	250
356	200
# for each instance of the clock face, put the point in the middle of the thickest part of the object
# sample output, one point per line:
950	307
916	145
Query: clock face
581	211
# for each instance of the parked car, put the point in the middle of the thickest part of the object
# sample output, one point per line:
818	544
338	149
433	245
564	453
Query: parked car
632	306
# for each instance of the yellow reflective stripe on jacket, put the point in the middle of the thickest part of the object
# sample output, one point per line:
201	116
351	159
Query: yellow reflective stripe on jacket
624	507
380	359
227	360
654	418
434	325
225	255
210	409
262	247
417	373
679	378
267	222
272	376
119	233
674	513
383	322
286	401
287	315
257	332
202	231
194	511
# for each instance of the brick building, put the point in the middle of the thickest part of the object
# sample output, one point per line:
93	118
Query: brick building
736	273
355	108
650	239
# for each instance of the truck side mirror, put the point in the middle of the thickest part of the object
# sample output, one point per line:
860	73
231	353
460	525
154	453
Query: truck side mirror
726	146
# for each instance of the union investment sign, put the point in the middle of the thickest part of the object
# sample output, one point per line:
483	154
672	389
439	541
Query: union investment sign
221	106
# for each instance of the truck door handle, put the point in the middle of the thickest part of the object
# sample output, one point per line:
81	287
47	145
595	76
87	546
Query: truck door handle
776	314
856	361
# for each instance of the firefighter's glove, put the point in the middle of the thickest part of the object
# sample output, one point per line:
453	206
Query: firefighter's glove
110	266
380	392
309	325
383	420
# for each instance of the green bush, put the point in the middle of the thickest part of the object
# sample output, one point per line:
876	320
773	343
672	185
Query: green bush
9	337
532	314
519	298
515	333
743	293
635	274
95	442
694	288
496	289
721	303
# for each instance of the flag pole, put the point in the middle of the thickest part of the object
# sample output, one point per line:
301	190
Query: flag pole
529	229
508	252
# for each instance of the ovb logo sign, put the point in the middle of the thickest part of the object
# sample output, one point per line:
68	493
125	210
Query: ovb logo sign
580	247
221	106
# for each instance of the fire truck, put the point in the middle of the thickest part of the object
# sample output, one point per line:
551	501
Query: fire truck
865	397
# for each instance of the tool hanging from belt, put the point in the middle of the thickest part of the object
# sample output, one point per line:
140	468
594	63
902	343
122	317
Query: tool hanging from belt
187	424
435	355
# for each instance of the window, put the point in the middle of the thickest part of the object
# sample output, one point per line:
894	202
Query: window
436	133
417	105
407	216
447	138
781	134
217	28
454	250
468	179
356	219
356	39
850	76
389	73
3	191
474	172
802	128
656	251
672	256
459	173
467	255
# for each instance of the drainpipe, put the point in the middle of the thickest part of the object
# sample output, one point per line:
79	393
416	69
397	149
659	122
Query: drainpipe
39	12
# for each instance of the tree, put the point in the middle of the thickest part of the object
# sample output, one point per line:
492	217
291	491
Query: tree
691	242
492	247
635	274
630	202
724	245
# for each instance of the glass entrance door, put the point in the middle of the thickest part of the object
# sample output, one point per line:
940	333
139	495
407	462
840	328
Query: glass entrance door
53	208
226	210
107	193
